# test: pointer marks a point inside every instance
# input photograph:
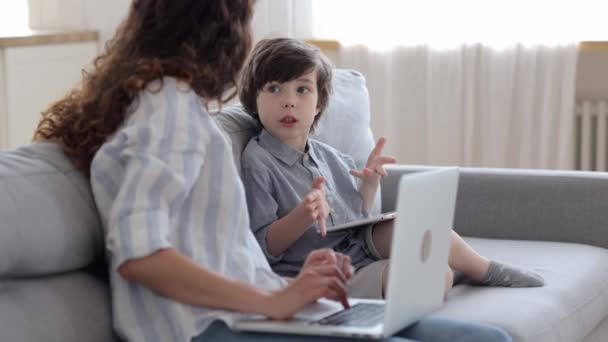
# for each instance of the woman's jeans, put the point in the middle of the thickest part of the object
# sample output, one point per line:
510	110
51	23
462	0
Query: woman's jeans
426	329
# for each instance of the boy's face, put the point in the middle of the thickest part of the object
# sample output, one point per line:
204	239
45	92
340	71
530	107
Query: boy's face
287	110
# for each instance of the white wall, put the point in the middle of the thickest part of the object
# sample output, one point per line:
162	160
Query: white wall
102	16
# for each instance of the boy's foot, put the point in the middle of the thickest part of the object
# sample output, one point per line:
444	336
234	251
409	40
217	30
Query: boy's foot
508	276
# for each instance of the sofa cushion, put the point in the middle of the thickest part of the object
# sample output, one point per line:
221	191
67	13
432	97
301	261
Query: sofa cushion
345	124
49	222
66	307
571	304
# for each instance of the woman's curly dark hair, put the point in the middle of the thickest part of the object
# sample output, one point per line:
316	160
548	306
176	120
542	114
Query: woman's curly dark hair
202	43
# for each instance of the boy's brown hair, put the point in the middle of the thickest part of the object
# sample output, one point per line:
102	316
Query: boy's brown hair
282	60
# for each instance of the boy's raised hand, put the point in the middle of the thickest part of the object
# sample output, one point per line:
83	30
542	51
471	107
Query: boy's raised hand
374	169
314	206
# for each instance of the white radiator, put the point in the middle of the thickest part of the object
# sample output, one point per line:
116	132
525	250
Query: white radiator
591	134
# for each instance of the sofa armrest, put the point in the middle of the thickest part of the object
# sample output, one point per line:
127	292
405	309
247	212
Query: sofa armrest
542	205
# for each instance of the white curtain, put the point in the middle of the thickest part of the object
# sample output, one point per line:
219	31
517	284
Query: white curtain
471	82
286	18
473	105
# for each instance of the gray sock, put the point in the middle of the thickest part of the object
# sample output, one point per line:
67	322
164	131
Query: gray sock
505	275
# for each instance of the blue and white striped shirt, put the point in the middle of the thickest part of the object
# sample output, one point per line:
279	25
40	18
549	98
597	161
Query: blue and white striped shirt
166	178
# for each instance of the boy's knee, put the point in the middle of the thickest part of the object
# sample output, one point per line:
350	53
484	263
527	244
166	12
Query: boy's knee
449	280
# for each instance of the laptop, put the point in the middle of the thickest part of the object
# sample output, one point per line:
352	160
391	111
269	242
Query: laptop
416	278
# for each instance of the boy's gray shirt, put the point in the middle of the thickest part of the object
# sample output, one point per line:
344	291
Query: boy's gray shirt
277	177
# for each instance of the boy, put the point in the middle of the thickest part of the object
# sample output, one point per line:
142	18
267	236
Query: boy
296	185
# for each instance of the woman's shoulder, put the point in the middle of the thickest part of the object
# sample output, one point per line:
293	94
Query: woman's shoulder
166	87
162	97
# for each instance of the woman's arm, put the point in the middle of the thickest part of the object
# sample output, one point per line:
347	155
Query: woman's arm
174	275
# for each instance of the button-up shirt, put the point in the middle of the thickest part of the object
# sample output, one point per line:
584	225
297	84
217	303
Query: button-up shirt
277	177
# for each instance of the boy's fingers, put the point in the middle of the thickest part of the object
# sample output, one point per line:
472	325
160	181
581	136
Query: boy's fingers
328	256
313	195
317	183
322	227
324	255
379	146
387	160
357	173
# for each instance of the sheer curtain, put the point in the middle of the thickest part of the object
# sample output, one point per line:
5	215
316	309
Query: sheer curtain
291	18
463	83
472	105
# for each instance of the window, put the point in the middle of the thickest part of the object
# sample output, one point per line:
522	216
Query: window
381	23
14	15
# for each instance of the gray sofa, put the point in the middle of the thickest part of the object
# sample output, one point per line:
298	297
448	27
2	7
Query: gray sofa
53	285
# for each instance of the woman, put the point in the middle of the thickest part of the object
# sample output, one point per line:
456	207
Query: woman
168	193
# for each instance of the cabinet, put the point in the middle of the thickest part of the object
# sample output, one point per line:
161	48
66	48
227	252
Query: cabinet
36	70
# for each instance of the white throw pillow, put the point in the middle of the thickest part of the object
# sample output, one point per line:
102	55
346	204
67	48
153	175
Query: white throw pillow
345	124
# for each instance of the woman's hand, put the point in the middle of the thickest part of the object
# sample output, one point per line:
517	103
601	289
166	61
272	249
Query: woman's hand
314	207
374	169
328	256
324	275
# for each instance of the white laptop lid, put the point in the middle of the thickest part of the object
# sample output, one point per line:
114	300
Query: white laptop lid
421	236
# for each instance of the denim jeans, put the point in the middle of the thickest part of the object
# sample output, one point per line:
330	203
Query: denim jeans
426	329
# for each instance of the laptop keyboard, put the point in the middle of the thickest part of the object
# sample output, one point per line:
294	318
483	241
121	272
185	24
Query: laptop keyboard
360	315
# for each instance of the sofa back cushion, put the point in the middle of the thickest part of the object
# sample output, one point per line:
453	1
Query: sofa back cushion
48	220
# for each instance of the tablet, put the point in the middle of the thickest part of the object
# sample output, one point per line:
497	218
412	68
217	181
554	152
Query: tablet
364	222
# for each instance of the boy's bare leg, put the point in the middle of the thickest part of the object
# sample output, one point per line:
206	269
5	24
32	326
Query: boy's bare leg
449	281
462	257
382	235
465	259
482	271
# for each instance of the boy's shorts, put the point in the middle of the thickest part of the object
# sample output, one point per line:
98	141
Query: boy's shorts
367	281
